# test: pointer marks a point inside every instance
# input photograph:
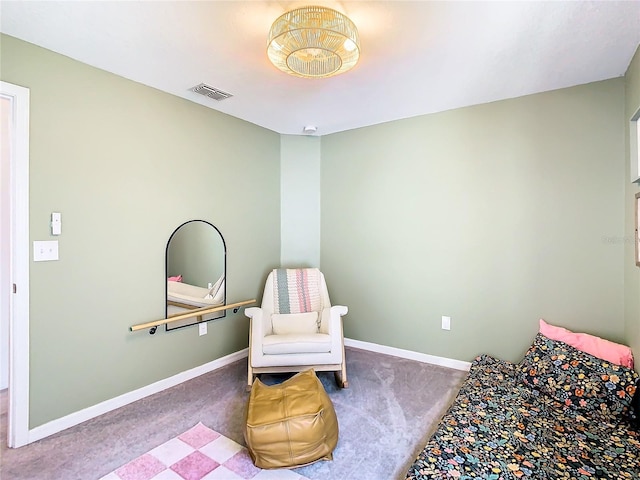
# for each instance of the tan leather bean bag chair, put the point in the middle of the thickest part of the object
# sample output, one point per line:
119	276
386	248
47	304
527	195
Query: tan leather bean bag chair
291	424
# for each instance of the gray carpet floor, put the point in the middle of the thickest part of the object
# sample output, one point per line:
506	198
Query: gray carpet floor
386	415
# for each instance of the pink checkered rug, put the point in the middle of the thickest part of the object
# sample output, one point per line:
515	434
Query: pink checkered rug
198	454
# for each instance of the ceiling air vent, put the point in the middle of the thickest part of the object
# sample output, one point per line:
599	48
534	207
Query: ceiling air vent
211	92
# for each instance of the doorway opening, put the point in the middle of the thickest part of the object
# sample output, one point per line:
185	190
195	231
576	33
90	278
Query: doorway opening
14	260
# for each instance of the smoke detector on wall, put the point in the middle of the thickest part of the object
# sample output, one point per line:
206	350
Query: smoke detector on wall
211	92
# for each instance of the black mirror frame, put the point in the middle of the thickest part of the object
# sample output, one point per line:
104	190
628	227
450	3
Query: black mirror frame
220	314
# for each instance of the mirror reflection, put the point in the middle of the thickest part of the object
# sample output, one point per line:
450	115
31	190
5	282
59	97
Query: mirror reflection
196	271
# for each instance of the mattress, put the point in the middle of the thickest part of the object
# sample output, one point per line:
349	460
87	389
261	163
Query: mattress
180	292
499	428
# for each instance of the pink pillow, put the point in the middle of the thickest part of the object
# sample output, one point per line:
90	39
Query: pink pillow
175	279
596	346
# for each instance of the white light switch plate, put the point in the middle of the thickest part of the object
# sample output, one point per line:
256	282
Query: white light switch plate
446	323
202	328
44	251
56	223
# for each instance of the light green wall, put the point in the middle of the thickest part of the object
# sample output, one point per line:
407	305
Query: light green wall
496	215
300	199
126	164
632	272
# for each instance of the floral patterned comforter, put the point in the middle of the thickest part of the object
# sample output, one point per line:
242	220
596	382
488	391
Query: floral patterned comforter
500	427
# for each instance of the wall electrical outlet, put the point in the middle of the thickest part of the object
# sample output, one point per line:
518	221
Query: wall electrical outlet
45	251
202	328
446	323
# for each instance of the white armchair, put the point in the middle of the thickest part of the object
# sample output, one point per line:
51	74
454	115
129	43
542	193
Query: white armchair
296	328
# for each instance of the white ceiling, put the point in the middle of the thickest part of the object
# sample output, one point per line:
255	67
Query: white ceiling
417	57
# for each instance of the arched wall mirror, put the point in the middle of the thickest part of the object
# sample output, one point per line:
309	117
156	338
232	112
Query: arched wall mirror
196	269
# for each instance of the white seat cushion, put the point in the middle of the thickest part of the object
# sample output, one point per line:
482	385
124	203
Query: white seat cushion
296	343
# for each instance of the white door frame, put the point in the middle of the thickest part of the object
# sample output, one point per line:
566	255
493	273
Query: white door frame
18	424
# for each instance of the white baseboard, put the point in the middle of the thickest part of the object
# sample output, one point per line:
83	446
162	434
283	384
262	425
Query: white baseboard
409	354
80	416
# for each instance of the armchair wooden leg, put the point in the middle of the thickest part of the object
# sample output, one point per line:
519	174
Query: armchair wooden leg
250	377
250	374
341	377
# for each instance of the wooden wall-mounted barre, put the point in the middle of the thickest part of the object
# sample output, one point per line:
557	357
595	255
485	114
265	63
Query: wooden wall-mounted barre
193	313
186	306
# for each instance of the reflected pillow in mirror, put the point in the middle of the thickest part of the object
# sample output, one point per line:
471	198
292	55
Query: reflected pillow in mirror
294	323
216	292
177	278
219	295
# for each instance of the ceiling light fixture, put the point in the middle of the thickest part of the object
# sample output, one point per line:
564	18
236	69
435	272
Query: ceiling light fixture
313	42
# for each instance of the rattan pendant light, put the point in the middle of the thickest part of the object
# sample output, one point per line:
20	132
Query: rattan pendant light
313	42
